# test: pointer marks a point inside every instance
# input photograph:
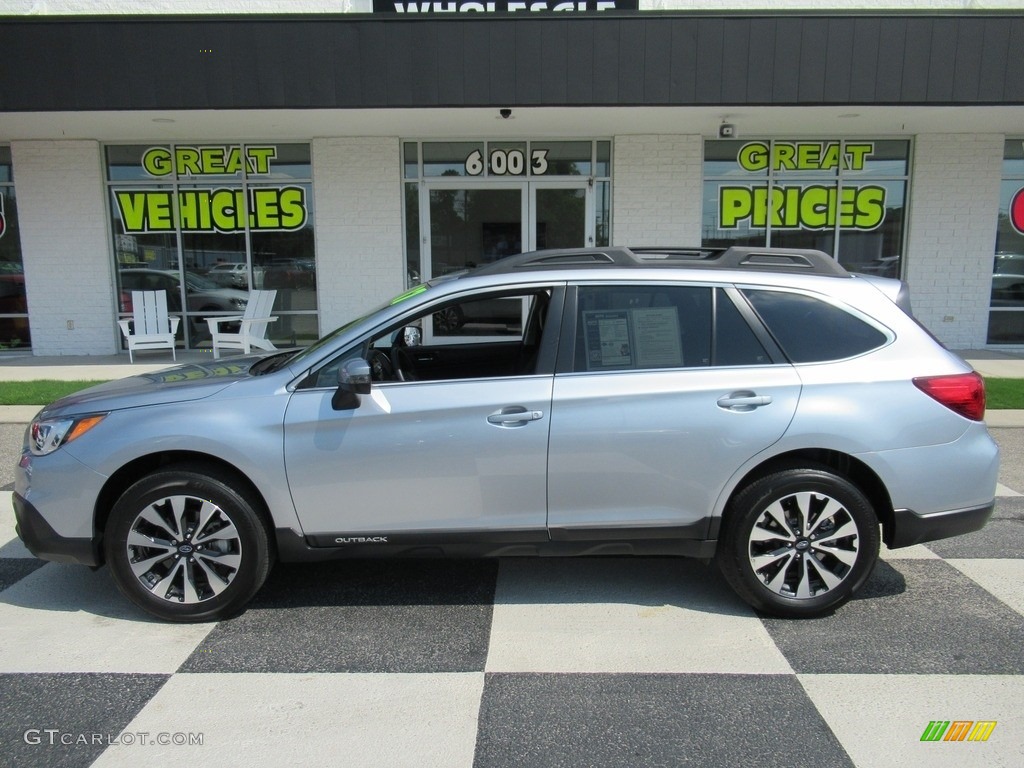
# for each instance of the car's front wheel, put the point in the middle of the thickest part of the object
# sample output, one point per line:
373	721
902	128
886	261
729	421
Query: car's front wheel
799	542
187	544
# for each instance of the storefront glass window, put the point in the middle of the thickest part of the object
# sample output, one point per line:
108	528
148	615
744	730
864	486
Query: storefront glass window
845	197
1006	318
604	159
412	235
14	328
209	223
453	158
411	159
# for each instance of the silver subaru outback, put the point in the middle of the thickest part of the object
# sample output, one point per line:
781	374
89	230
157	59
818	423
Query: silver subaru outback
763	408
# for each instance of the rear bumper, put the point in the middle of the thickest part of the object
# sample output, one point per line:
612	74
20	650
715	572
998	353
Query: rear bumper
46	544
909	528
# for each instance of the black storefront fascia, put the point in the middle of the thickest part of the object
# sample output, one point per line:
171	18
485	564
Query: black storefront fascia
348	61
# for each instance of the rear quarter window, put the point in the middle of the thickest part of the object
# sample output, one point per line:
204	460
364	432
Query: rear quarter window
810	330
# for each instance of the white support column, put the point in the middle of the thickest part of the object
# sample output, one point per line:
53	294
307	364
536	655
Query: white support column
657	190
954	204
358	198
65	247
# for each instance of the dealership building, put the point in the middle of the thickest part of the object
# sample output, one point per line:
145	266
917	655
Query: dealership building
339	152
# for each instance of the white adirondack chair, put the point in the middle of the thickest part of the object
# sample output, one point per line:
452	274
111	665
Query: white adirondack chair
150	327
252	331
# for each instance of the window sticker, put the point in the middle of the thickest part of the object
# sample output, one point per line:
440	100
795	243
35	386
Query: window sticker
632	338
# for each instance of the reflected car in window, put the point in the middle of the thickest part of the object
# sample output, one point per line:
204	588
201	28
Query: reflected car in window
202	295
1008	280
229	275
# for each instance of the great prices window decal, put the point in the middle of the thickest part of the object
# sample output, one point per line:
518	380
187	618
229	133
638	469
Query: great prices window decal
224	209
784	201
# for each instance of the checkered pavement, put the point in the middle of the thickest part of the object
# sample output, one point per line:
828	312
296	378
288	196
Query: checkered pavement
550	662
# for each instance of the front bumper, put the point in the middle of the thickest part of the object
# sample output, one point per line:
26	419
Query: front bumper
45	543
909	528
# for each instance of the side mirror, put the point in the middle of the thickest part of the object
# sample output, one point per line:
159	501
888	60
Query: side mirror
353	381
412	336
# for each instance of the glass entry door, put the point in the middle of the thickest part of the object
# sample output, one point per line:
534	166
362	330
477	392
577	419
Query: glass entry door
467	225
560	215
472	226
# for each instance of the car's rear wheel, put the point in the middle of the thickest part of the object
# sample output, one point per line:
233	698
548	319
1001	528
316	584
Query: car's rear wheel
799	542
187	544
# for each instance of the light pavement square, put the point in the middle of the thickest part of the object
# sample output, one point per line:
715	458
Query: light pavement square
1003	578
273	720
645	615
916	552
65	618
880	719
1003	491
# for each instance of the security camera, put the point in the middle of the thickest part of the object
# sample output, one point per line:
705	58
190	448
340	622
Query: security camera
727	131
505	113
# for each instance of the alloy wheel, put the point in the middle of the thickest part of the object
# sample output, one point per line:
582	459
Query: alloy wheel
184	549
803	545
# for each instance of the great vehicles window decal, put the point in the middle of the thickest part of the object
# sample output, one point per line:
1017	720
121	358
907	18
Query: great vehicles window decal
224	209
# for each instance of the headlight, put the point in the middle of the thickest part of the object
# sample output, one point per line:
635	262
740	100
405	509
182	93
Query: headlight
47	435
239	303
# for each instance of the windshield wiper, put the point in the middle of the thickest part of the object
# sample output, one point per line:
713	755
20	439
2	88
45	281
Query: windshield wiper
271	363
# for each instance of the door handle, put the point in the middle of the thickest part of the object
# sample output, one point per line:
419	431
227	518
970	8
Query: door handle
513	416
743	401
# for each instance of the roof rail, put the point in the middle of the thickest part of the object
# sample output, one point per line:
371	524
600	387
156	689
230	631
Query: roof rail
699	257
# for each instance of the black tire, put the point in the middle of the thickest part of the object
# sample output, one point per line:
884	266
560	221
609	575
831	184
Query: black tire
789	522
186	544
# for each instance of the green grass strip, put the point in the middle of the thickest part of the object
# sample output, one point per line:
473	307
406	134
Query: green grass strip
1002	394
39	391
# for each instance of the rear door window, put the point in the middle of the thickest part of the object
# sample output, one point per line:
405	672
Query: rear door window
651	326
810	330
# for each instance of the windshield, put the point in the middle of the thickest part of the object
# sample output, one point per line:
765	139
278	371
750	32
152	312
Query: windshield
325	340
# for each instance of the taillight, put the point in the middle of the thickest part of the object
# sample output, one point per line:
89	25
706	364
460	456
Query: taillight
963	393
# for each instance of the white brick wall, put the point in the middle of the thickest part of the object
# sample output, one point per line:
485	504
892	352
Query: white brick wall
656	194
358	198
65	248
953	209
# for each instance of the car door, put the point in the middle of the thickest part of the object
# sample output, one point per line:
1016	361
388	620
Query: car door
664	394
448	457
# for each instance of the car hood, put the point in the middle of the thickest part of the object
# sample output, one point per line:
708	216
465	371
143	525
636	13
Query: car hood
171	385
